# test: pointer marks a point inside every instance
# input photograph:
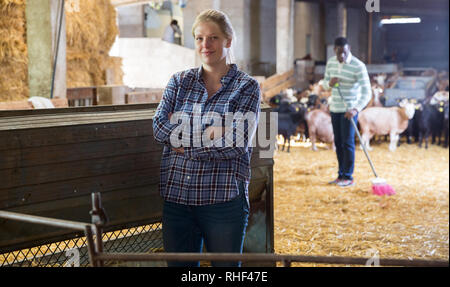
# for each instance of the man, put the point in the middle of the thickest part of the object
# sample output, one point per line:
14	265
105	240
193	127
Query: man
354	83
169	33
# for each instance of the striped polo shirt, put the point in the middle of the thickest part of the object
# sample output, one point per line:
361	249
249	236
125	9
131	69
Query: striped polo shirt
354	83
206	174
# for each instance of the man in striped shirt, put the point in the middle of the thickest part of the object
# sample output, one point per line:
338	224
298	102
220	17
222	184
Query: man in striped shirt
353	79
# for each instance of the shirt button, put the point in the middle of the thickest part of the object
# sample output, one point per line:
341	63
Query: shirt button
188	177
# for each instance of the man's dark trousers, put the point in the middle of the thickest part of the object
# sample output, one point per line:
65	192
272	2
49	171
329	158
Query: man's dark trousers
344	139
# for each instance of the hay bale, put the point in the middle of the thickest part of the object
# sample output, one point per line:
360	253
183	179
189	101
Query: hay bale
91	32
13	51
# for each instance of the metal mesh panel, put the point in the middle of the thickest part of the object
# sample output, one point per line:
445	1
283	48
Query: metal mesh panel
146	238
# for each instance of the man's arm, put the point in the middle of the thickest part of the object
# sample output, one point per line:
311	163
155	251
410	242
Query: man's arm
328	81
366	91
327	77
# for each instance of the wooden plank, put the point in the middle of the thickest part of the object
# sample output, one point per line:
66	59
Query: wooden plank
60	103
276	90
8	113
16	105
260	176
82	93
259	79
64	171
112	95
43	155
20	139
151	96
80	151
256	160
73	118
8	123
25	104
44	124
32	194
77	169
276	80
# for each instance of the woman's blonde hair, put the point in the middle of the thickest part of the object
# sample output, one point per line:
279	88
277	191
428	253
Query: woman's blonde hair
224	23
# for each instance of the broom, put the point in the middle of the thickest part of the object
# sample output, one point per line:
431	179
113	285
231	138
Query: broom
379	185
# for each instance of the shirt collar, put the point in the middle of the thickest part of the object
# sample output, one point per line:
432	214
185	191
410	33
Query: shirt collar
225	79
349	58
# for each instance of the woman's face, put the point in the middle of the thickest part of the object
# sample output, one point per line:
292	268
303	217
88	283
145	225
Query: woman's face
210	43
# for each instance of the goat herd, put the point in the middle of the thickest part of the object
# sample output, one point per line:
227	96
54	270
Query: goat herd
306	113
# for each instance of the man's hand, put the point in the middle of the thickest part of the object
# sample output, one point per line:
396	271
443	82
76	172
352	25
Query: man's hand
351	113
333	82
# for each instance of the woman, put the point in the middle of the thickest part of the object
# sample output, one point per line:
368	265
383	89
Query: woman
204	187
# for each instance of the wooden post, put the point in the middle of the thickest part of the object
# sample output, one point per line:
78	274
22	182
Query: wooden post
42	25
369	48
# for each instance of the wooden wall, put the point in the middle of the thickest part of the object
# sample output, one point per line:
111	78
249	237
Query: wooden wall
52	160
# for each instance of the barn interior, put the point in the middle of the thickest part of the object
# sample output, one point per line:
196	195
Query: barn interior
81	79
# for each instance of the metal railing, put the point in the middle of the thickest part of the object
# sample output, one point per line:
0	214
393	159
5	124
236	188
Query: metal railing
94	244
286	259
97	257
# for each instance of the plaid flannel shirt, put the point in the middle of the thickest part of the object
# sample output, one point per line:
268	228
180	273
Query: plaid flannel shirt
206	174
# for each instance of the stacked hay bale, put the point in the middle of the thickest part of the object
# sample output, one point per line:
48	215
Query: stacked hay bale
91	31
13	51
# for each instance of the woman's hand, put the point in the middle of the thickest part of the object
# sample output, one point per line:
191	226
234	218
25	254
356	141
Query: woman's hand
211	131
178	149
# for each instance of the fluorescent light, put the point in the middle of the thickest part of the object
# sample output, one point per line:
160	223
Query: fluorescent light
400	21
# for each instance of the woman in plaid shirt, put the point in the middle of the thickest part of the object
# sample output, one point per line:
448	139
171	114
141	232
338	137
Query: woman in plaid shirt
205	175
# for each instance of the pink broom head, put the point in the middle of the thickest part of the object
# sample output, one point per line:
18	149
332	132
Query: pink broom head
380	187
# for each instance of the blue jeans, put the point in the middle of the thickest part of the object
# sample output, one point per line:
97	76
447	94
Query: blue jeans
344	140
222	227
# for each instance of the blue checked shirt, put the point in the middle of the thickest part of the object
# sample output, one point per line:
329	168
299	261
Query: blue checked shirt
206	174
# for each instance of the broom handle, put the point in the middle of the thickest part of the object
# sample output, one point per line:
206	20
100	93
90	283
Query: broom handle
357	132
